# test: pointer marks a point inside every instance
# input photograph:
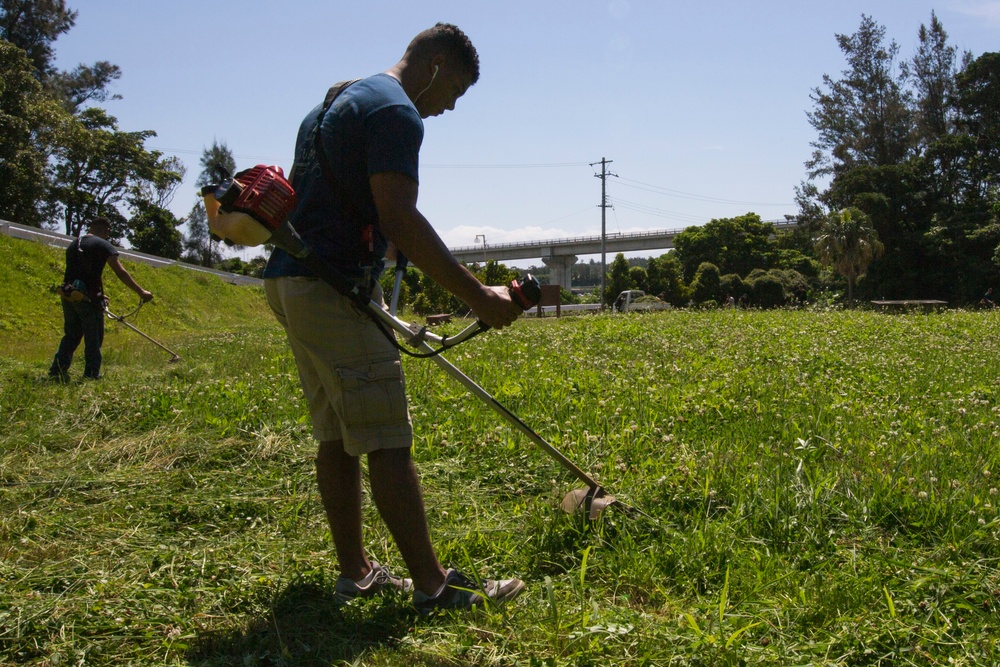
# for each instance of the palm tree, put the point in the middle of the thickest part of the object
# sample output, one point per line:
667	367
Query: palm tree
849	243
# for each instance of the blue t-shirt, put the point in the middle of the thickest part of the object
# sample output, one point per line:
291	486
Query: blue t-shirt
372	127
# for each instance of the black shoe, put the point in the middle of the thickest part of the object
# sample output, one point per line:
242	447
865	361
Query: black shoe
460	592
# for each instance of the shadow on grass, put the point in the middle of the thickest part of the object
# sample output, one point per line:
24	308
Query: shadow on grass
306	626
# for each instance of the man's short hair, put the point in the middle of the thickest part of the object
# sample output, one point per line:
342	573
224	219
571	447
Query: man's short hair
450	40
100	221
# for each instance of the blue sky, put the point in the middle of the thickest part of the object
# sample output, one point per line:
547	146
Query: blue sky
700	105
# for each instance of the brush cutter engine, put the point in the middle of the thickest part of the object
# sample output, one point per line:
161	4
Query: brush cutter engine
252	208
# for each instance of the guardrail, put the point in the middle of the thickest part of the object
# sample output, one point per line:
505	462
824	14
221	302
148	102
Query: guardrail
50	237
614	236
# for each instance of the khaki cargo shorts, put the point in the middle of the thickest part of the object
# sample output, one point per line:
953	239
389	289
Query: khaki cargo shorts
351	374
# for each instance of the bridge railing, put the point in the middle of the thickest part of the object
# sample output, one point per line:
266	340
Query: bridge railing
614	236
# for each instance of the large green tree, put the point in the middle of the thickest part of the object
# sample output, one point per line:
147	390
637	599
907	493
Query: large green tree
977	102
864	117
29	121
217	163
96	168
734	245
931	73
916	148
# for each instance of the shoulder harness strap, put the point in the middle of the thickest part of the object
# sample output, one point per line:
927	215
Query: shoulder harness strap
331	95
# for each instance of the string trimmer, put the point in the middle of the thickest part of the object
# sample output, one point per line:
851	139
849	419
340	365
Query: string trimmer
121	318
253	207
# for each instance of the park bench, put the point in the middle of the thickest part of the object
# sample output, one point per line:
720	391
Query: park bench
438	319
905	305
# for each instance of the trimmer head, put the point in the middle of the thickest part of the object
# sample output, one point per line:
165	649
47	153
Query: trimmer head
593	501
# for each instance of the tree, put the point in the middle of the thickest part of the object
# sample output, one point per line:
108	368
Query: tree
664	276
85	84
977	100
734	245
216	163
96	167
431	298
932	71
619	279
864	117
639	277
496	273
850	244
33	25
707	283
153	230
161	188
197	248
28	121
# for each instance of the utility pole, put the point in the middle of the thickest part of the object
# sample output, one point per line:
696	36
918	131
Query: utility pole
604	207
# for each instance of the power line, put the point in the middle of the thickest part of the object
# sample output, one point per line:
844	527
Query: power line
522	165
526	165
687	195
649	210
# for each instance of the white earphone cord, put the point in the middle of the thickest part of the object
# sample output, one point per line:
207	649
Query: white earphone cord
429	83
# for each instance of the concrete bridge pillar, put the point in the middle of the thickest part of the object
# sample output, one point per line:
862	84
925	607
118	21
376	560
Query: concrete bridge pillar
560	269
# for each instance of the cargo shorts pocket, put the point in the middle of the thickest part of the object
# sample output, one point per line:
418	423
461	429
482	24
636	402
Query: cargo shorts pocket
374	394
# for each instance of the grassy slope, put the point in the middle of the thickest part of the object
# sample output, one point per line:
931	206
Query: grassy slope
186	303
823	487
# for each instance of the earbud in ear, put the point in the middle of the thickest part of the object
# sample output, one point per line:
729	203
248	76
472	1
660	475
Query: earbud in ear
436	68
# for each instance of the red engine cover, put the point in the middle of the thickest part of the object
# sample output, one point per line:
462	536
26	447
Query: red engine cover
266	195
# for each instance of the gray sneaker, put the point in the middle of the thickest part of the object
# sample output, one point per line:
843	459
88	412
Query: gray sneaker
377	581
460	592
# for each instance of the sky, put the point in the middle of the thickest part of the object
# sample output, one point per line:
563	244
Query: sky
700	107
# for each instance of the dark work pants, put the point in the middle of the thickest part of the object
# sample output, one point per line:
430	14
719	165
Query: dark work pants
82	320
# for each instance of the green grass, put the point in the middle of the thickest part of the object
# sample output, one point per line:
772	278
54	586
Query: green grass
822	487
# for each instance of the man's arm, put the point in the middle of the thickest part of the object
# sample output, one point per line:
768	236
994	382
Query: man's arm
126	277
406	228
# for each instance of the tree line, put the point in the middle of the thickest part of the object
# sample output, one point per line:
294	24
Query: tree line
64	159
901	197
909	152
911	149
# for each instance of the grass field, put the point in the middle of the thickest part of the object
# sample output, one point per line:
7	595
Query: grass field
821	489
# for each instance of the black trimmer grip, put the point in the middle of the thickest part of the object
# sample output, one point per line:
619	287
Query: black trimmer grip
526	291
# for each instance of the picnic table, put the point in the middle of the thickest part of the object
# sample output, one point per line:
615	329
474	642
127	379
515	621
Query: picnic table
903	305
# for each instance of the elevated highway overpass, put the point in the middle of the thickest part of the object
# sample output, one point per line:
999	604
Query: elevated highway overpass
561	254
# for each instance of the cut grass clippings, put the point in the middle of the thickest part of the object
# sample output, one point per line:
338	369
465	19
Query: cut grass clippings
822	486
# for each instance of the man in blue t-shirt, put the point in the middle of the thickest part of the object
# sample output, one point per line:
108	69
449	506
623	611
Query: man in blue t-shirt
357	201
83	317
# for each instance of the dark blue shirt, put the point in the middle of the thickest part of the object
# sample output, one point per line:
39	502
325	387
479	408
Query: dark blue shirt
371	128
85	260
